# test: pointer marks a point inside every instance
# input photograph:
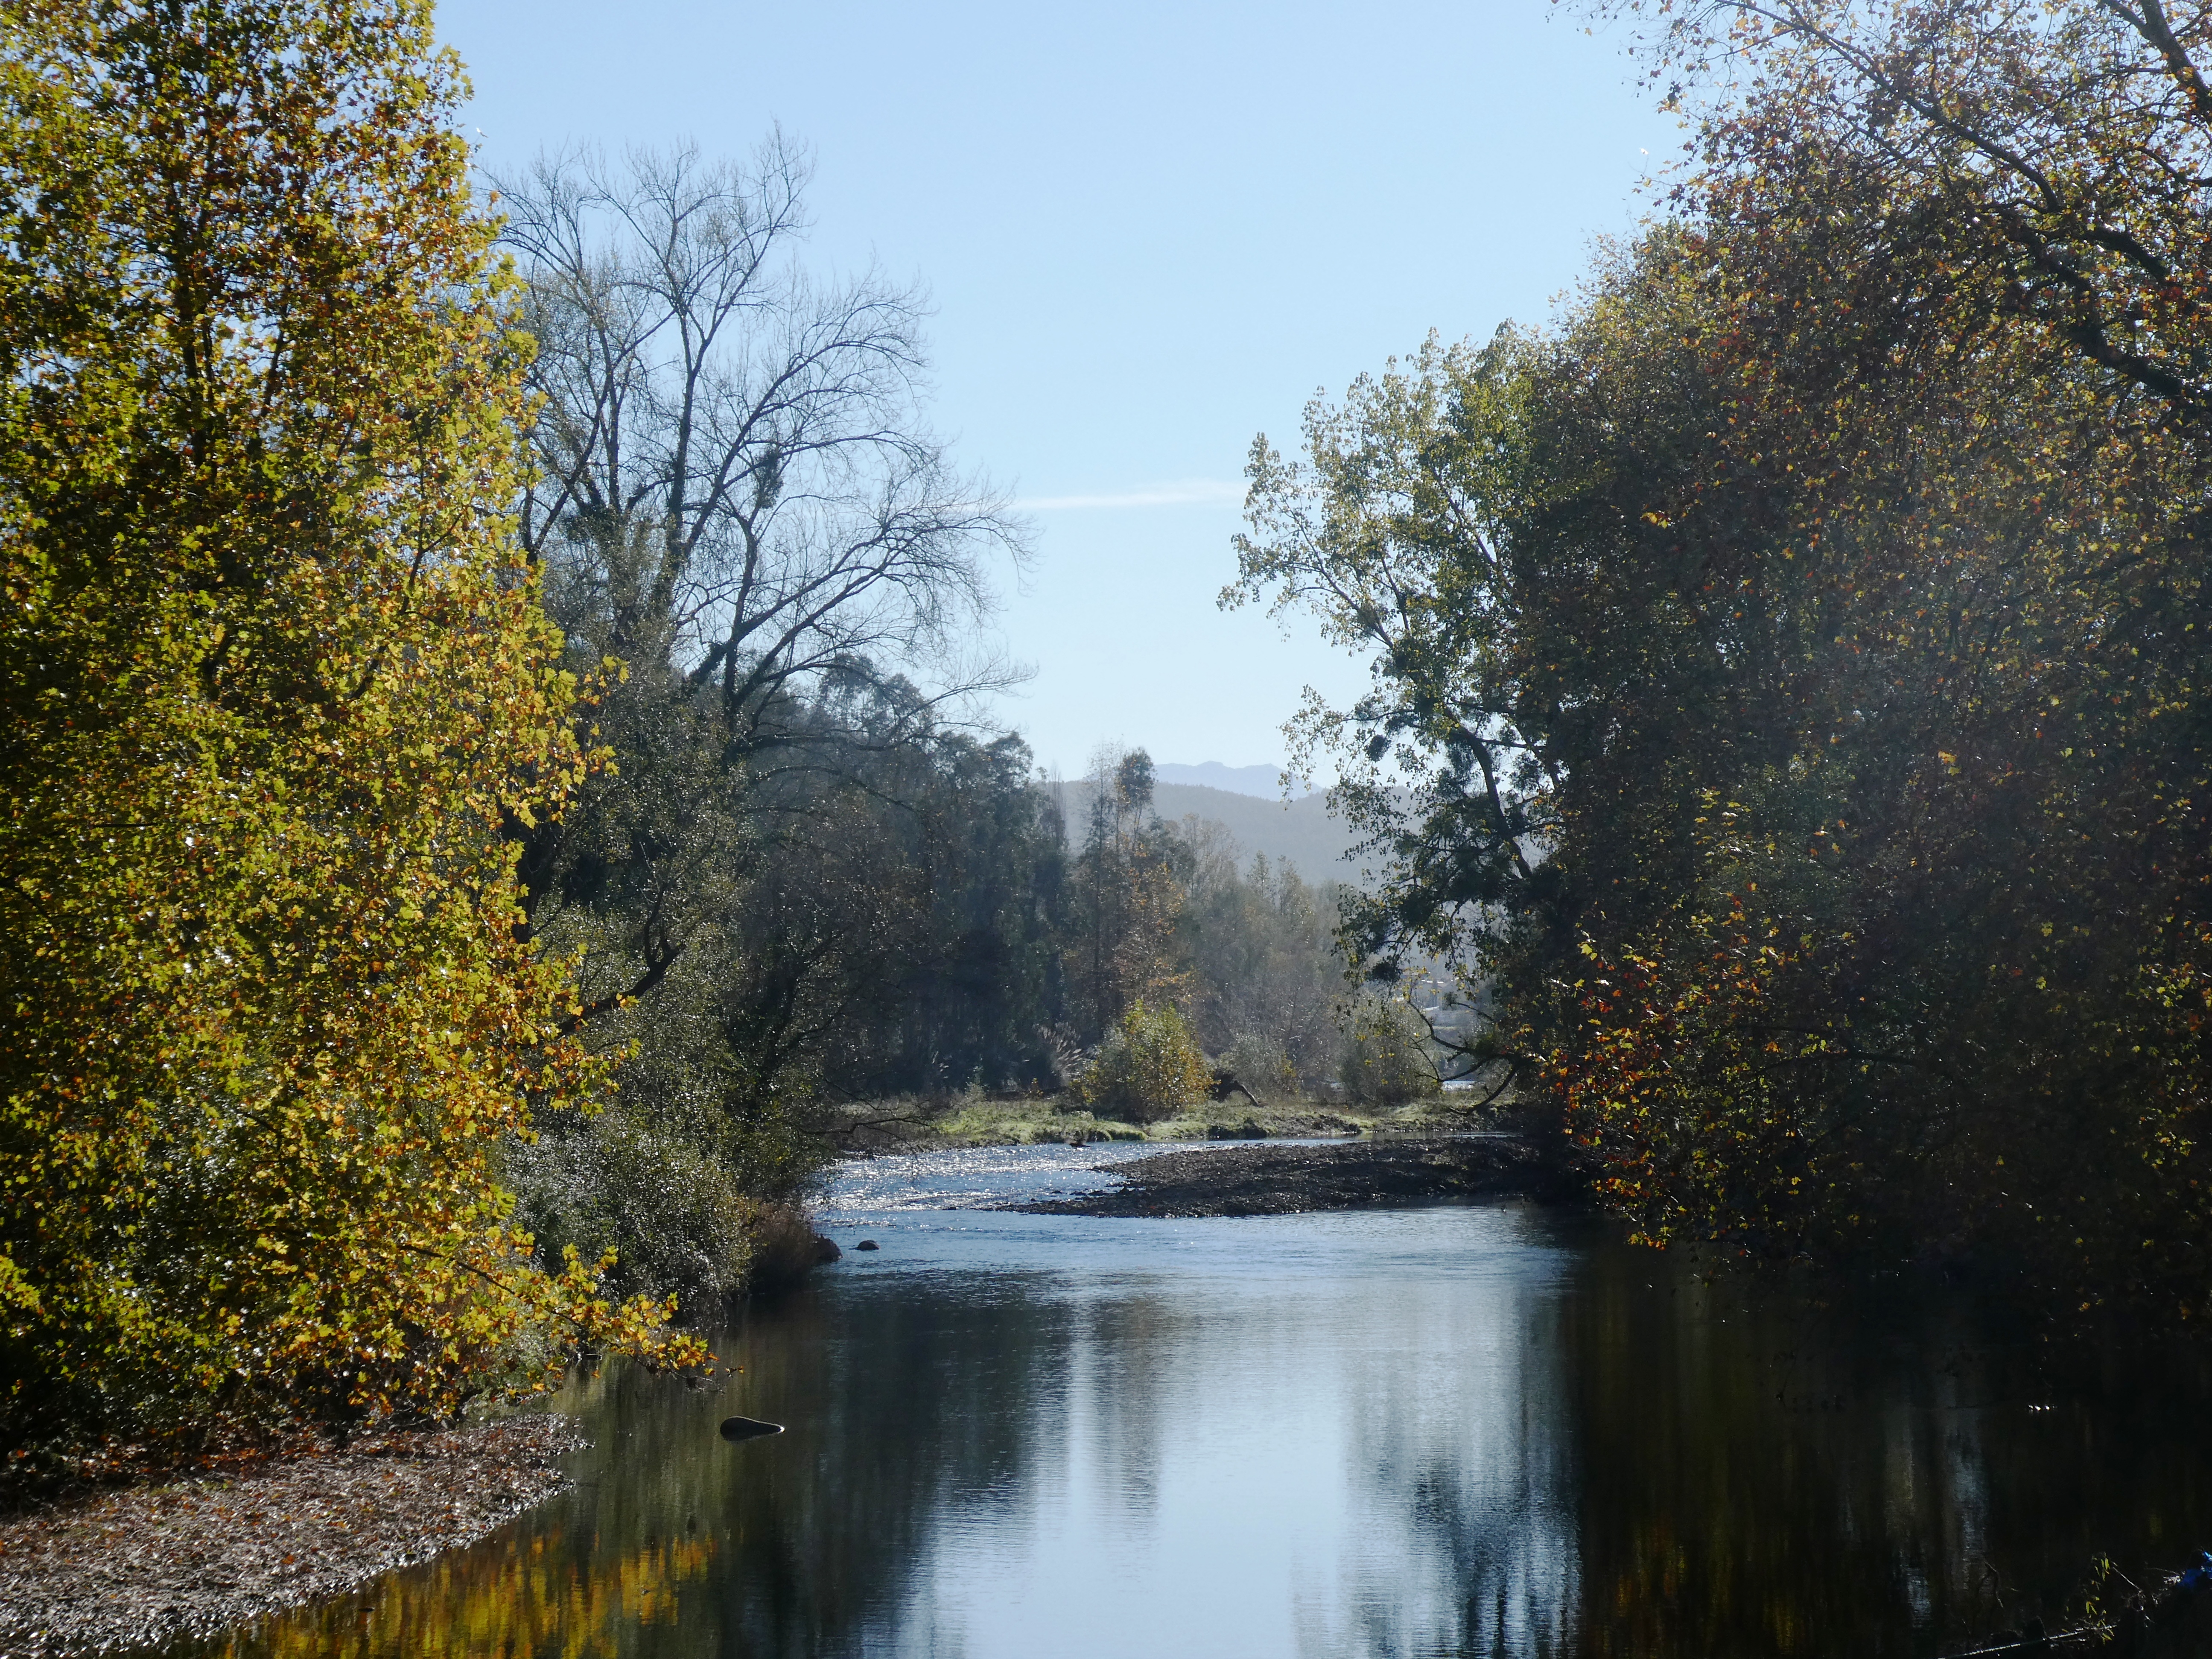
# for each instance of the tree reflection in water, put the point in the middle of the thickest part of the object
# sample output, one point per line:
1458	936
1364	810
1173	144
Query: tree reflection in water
1481	1430
531	1600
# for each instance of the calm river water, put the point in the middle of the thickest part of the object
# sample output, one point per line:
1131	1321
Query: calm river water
1475	1430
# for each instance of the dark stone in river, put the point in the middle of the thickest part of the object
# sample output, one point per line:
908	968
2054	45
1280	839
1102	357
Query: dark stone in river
867	1244
825	1248
748	1428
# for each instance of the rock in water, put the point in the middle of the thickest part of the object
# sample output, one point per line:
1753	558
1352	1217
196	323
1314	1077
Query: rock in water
865	1245
825	1248
748	1428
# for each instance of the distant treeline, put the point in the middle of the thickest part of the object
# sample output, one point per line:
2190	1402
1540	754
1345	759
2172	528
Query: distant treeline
906	915
1303	832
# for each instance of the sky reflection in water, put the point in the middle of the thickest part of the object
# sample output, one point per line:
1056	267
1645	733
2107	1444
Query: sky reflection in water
1472	1429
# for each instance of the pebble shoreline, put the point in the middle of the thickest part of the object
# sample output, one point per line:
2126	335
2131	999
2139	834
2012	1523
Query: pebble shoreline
1289	1180
153	1563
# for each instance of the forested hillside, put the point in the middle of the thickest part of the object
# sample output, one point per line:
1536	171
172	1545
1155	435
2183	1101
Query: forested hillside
1303	832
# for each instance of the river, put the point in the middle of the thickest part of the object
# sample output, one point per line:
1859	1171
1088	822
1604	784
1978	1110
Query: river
1464	1430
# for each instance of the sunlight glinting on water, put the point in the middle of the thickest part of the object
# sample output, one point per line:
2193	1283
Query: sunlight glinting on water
969	1177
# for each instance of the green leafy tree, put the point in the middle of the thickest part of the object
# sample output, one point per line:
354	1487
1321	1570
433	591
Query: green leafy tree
1389	1058
1266	975
1149	1067
966	976
1126	896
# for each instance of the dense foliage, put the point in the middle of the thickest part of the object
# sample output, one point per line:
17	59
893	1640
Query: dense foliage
1164	913
1267	980
947	968
272	679
1127	889
1148	1066
1797	656
1389	1053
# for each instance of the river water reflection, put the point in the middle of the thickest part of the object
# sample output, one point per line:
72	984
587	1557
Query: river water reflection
1472	1429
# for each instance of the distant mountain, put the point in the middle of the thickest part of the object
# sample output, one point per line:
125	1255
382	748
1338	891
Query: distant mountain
1264	782
1301	831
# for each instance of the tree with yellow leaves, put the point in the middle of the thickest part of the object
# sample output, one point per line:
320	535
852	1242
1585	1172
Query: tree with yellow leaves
273	679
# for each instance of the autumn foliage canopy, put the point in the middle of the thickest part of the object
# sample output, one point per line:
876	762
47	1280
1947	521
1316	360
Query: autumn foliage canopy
273	683
1799	654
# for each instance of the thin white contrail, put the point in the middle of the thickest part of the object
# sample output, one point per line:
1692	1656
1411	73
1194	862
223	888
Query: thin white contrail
1189	492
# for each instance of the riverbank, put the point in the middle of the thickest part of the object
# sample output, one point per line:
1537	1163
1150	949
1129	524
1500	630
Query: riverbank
1291	1180
150	1563
922	1125
143	1565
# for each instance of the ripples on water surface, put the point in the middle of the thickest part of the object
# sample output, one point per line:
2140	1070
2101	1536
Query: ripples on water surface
1461	1430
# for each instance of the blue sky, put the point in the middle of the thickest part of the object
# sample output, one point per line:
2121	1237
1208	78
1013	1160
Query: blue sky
1150	231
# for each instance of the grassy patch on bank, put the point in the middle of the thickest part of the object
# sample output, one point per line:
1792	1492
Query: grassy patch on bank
919	1123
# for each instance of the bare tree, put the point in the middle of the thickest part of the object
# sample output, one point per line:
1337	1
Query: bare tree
738	499
737	483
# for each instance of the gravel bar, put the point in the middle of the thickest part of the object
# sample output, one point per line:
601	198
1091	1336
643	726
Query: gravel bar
1288	1180
155	1562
